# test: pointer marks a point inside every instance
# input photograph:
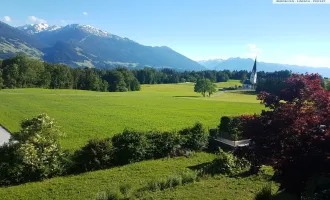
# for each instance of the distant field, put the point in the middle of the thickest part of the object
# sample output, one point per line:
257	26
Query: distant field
83	115
86	186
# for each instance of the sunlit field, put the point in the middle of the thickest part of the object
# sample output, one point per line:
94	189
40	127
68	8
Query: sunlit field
86	186
83	115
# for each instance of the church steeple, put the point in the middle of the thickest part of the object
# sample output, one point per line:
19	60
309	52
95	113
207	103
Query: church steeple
253	77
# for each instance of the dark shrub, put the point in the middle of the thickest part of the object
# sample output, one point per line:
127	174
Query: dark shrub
194	138
265	193
129	147
227	163
162	144
230	127
97	154
10	169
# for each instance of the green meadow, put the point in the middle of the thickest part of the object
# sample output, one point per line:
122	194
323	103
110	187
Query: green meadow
83	115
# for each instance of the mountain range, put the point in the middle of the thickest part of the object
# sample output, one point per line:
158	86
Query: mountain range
247	64
86	46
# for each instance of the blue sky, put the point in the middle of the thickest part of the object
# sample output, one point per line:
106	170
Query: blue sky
199	29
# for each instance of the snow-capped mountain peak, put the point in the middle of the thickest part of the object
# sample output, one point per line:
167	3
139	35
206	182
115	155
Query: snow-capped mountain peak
90	29
32	29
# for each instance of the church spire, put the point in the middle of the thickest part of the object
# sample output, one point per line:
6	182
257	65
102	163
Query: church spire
253	77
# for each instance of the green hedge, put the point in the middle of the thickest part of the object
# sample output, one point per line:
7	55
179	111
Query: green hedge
230	127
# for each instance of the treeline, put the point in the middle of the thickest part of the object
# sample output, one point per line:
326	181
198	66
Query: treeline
22	72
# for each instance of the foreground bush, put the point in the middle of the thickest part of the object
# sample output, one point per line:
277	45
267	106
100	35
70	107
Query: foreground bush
35	153
129	147
265	193
194	138
97	154
228	164
162	144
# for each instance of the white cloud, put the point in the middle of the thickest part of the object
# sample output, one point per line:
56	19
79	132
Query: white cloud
7	18
253	51
85	13
37	20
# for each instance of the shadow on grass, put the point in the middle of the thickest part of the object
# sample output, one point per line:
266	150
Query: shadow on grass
248	92
186	96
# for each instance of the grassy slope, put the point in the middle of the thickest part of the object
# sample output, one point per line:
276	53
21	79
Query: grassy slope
86	186
86	114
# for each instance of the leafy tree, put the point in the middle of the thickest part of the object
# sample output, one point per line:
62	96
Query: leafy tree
204	85
211	88
1	80
327	86
33	153
243	78
222	77
293	135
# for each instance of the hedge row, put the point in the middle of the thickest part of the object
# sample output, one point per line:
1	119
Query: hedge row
134	146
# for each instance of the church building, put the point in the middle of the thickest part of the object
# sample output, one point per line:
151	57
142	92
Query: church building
251	83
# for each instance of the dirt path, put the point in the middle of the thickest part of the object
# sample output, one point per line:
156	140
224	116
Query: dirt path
218	94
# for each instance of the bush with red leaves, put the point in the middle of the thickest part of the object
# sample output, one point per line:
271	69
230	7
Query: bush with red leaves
293	135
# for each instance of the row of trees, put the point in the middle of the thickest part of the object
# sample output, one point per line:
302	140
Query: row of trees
22	72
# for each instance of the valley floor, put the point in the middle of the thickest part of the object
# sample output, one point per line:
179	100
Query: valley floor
83	115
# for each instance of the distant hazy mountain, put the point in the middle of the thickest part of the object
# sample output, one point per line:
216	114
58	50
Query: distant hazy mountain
247	64
211	63
86	46
13	41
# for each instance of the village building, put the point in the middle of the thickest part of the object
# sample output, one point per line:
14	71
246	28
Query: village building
250	84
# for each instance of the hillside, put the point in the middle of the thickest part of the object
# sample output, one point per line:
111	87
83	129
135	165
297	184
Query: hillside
86	46
247	63
13	41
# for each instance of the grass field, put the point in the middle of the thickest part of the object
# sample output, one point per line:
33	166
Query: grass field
83	115
86	186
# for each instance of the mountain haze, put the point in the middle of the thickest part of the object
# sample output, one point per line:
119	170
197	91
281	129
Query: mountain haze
247	64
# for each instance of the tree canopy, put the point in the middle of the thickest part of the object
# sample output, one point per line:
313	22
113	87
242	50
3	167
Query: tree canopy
293	135
203	86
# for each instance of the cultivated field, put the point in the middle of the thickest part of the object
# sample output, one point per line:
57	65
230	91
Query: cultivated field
83	115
